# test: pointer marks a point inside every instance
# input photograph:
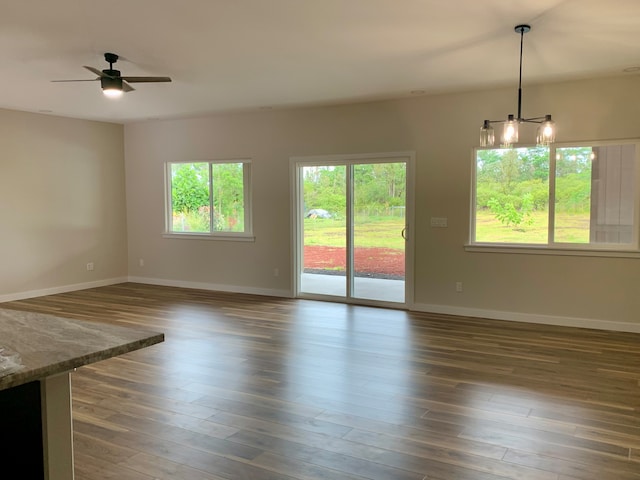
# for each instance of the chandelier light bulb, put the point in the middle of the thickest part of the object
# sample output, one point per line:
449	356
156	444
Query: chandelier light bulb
510	132
546	132
487	135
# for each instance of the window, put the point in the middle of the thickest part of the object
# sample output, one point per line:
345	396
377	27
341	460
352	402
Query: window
209	198
563	196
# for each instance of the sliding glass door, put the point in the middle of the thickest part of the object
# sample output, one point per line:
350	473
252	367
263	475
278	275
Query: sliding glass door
378	228
351	228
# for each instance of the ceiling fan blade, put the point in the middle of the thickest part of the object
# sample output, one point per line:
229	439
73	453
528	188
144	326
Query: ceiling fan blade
126	87
83	80
146	79
97	72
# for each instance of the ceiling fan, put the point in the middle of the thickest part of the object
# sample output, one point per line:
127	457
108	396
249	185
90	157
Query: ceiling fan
113	84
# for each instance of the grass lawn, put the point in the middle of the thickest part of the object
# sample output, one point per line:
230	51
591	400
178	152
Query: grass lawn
386	231
570	228
370	232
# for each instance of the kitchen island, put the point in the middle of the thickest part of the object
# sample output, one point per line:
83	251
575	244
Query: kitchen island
37	354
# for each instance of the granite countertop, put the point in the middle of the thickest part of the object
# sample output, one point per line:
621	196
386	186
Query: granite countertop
35	345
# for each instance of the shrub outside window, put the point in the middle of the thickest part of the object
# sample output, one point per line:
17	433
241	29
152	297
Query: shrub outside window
582	196
209	198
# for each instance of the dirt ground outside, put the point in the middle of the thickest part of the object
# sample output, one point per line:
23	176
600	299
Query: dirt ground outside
369	261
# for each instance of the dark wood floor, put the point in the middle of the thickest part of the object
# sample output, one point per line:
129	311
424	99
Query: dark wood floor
248	387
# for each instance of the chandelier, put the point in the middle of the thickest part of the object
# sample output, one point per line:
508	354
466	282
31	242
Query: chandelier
546	127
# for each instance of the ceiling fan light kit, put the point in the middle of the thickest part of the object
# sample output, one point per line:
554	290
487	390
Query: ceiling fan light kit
112	82
546	133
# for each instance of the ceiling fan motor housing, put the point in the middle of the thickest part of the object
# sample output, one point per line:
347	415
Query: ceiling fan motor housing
111	83
111	73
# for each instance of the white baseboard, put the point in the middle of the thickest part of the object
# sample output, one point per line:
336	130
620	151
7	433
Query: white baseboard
530	318
418	307
268	292
62	289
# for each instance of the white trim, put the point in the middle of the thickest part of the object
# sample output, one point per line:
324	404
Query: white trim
381	157
235	237
247	185
350	227
544	250
473	197
268	292
62	289
295	211
365	302
410	225
574	322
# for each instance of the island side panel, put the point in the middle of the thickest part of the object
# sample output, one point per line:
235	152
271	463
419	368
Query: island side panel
57	427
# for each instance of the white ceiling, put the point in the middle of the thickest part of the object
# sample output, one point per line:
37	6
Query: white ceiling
226	55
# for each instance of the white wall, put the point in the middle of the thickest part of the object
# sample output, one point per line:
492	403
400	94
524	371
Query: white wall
62	204
442	130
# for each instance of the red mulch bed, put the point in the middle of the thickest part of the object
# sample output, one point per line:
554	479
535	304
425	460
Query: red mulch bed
381	262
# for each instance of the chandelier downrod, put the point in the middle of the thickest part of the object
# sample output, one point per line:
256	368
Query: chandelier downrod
521	29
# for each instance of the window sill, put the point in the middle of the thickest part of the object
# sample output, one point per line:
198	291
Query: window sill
228	237
546	250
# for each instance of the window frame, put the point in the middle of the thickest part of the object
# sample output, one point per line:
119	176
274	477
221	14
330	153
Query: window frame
246	235
551	246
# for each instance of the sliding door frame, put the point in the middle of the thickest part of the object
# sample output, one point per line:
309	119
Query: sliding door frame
297	214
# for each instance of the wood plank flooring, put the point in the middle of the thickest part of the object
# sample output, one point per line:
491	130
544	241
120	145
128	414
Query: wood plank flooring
249	387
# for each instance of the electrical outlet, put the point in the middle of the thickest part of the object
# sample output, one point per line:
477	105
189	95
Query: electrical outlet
141	262
276	272
90	266
458	287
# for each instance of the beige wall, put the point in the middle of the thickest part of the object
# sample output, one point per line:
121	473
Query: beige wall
62	204
442	130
